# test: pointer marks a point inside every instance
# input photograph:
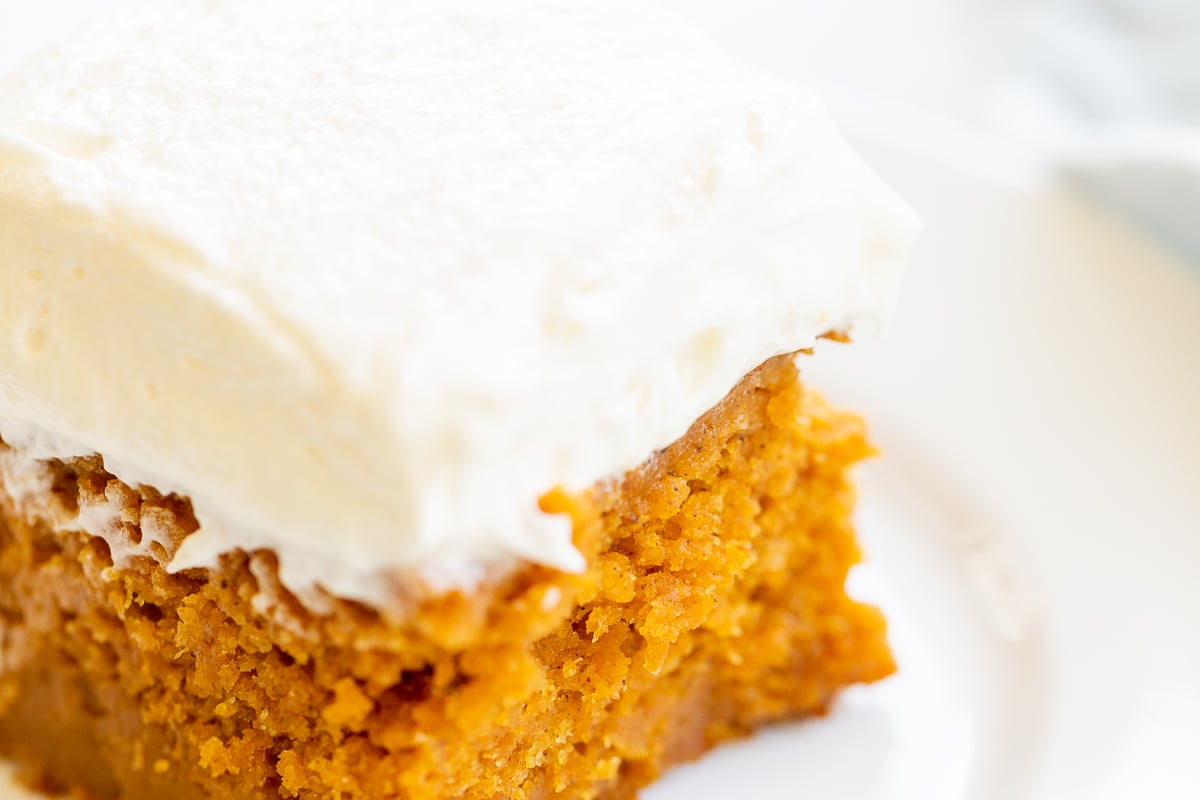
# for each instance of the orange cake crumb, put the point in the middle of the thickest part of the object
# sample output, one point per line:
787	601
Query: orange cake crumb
712	604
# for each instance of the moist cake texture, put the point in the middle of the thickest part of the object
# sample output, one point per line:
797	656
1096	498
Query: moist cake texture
712	604
398	400
418	240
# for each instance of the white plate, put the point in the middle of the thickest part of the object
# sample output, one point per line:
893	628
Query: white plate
1034	529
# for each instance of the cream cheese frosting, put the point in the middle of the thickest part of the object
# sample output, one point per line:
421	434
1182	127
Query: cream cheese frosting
365	279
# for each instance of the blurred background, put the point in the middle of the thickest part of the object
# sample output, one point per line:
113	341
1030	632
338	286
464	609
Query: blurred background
1103	93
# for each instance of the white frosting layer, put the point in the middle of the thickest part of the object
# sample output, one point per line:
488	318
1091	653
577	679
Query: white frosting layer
365	279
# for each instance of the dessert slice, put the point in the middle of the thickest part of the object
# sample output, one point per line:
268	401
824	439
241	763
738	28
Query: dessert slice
400	400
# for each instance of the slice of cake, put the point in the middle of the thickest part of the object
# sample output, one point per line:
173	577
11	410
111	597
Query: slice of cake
399	400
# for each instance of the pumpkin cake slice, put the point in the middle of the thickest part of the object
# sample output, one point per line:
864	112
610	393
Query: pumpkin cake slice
400	400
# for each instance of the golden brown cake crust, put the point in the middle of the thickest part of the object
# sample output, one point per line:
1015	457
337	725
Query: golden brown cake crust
712	603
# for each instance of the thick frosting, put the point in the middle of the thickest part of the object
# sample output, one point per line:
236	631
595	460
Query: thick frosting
365	279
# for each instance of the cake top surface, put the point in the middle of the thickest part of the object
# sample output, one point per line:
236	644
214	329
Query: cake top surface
365	279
